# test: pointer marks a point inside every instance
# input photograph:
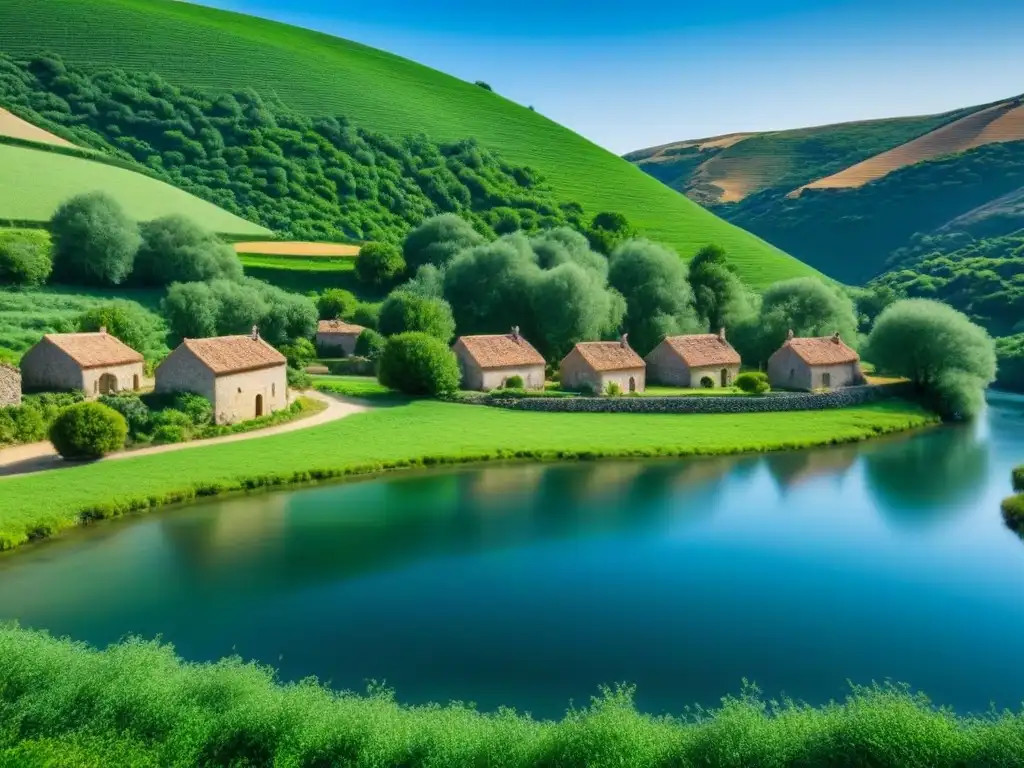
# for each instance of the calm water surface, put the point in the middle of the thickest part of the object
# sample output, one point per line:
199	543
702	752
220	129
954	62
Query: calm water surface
531	585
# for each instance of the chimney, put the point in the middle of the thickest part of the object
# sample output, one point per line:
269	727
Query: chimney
255	333
624	340
721	335
789	336
515	333
103	330
835	337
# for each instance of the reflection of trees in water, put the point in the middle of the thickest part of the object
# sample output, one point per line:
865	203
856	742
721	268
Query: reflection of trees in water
792	468
320	536
924	479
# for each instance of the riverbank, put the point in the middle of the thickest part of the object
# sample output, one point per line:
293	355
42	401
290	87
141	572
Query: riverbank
401	434
137	704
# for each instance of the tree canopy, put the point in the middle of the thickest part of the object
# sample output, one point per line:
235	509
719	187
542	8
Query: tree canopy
94	241
403	311
720	299
175	249
380	264
437	240
418	364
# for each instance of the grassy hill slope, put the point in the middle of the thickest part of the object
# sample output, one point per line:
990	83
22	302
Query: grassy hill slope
316	73
34	182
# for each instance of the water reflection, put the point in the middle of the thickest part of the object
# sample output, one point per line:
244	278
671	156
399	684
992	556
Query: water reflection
790	469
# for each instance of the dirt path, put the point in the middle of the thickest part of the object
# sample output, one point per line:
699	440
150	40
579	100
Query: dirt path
38	457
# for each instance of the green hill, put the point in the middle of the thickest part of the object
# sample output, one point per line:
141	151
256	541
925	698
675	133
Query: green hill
33	182
317	74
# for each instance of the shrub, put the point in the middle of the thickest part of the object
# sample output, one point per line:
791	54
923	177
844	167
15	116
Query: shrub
135	412
366	314
613	389
299	353
418	364
370	344
706	382
336	303
298	379
175	249
88	431
1018	479
94	241
1013	513
21	424
122	319
379	264
24	257
170	433
437	240
403	312
754	382
514	382
196	408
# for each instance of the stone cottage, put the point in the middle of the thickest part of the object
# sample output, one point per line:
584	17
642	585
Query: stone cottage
814	363
337	337
595	364
696	360
10	385
96	363
487	362
242	376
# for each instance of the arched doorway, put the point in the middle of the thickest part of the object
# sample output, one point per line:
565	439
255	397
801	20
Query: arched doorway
136	382
108	384
259	406
725	377
632	384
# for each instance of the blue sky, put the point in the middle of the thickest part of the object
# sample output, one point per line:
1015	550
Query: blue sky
633	74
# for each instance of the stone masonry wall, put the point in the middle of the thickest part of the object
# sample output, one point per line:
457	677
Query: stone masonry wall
10	385
775	401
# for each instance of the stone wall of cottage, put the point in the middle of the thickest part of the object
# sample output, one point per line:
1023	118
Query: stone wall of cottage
787	370
775	401
334	343
45	366
236	395
112	378
575	372
182	371
10	385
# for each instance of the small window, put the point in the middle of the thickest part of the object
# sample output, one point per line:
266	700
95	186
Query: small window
273	389
239	390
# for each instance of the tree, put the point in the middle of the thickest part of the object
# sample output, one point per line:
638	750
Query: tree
659	303
94	241
88	431
366	314
175	249
428	281
370	344
123	320
608	230
719	296
564	245
336	303
418	364
805	305
379	264
299	353
24	257
946	356
437	240
572	304
403	311
482	84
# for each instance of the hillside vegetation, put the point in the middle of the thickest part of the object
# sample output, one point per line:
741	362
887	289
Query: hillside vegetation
318	75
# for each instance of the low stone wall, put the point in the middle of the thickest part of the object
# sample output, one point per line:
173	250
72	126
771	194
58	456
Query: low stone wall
774	401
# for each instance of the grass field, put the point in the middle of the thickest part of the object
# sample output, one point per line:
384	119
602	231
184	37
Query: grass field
26	315
301	275
415	433
33	183
297	249
316	73
352	386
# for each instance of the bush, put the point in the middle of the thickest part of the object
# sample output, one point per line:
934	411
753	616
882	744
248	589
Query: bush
135	412
514	382
370	344
1013	513
418	364
379	264
24	257
21	424
94	241
706	382
88	431
298	379
299	353
122	319
336	303
366	314
613	389
170	433
754	382
437	240
403	312
1018	479
175	249
197	409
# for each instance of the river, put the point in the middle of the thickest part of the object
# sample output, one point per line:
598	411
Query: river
530	585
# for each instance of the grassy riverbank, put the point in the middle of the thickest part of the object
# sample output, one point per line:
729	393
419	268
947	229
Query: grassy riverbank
1013	506
415	433
137	704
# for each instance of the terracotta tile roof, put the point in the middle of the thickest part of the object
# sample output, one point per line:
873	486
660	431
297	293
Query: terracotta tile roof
94	350
823	350
609	355
234	354
702	349
501	351
338	326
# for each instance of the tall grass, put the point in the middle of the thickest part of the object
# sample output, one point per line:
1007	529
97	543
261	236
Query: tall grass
136	703
402	434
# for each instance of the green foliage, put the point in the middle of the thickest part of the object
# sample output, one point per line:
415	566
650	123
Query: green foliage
659	301
135	412
299	353
380	264
366	314
719	297
94	241
403	311
754	382
298	379
225	307
336	303
871	300
1013	513
417	363
513	382
612	389
24	257
1010	359
427	282
31	421
563	245
1017	478
370	344
483	85
124	320
437	240
940	350
88	430
609	230
175	249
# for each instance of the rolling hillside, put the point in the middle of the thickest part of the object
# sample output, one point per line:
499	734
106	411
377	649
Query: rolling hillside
14	127
317	74
34	182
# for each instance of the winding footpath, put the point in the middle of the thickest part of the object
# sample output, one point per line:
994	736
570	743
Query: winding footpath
40	457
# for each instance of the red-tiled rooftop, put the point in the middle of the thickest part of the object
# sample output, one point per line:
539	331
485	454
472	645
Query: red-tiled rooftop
501	351
823	350
338	326
94	350
234	354
609	355
701	349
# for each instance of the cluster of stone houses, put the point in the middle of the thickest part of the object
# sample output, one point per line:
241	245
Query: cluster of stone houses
242	376
705	360
337	337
